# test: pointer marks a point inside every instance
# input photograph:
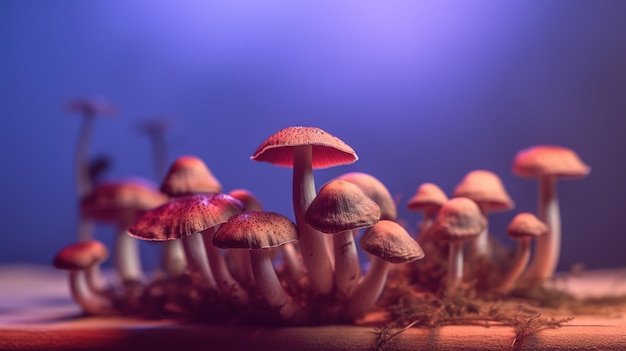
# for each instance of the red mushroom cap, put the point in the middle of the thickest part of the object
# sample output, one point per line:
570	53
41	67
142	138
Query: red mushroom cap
255	230
549	160
189	175
81	255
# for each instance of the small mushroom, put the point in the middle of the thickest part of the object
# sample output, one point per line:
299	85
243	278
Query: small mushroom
375	190
547	163
459	220
257	232
428	199
524	227
388	243
80	259
305	149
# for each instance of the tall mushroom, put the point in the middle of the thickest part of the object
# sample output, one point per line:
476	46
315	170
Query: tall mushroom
459	220
305	149
547	164
339	208
524	227
257	232
388	243
375	190
486	189
79	259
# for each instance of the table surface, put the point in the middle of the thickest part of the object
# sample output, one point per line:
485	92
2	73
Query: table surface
36	313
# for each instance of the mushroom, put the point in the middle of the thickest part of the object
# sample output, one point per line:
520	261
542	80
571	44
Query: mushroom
88	109
303	149
375	190
155	130
257	232
80	259
486	189
339	208
428	199
522	228
547	163
459	220
388	243
189	175
191	214
120	203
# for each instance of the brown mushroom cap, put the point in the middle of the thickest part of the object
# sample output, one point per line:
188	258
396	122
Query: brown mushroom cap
328	150
526	225
459	219
121	202
389	241
486	189
184	216
340	206
549	160
255	230
429	197
375	190
81	255
189	175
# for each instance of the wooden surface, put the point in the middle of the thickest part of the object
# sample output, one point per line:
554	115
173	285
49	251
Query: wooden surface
36	313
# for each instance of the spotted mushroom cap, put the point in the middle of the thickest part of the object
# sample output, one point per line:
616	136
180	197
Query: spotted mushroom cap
549	160
526	225
255	230
375	190
459	219
340	206
429	198
486	189
81	255
184	216
328	150
189	175
389	241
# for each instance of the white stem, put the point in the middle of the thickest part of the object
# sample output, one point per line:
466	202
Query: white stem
227	284
127	259
174	258
518	265
91	303
455	265
94	279
480	245
312	243
347	267
369	290
292	261
193	245
548	246
269	287
239	264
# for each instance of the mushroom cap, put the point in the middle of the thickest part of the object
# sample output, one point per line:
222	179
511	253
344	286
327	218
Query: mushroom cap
390	242
459	219
549	160
486	189
428	198
375	190
340	206
81	255
250	202
526	225
121	202
255	230
328	150
189	175
94	106
184	216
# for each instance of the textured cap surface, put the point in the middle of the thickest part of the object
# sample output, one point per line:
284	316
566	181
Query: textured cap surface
375	190
388	241
255	230
459	219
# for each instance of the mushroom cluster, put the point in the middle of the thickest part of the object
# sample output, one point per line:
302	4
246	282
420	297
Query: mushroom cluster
227	259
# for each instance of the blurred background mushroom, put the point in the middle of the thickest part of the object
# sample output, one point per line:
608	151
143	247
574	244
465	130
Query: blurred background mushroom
389	78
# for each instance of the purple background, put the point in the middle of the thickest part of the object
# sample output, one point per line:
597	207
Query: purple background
423	91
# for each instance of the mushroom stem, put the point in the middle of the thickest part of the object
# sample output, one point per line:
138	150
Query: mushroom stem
455	265
292	261
479	247
127	259
369	290
174	258
94	279
224	279
312	243
347	268
269	287
193	246
239	264
520	261
548	246
91	303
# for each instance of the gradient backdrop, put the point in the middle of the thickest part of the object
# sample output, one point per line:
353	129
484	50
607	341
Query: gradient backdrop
422	90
